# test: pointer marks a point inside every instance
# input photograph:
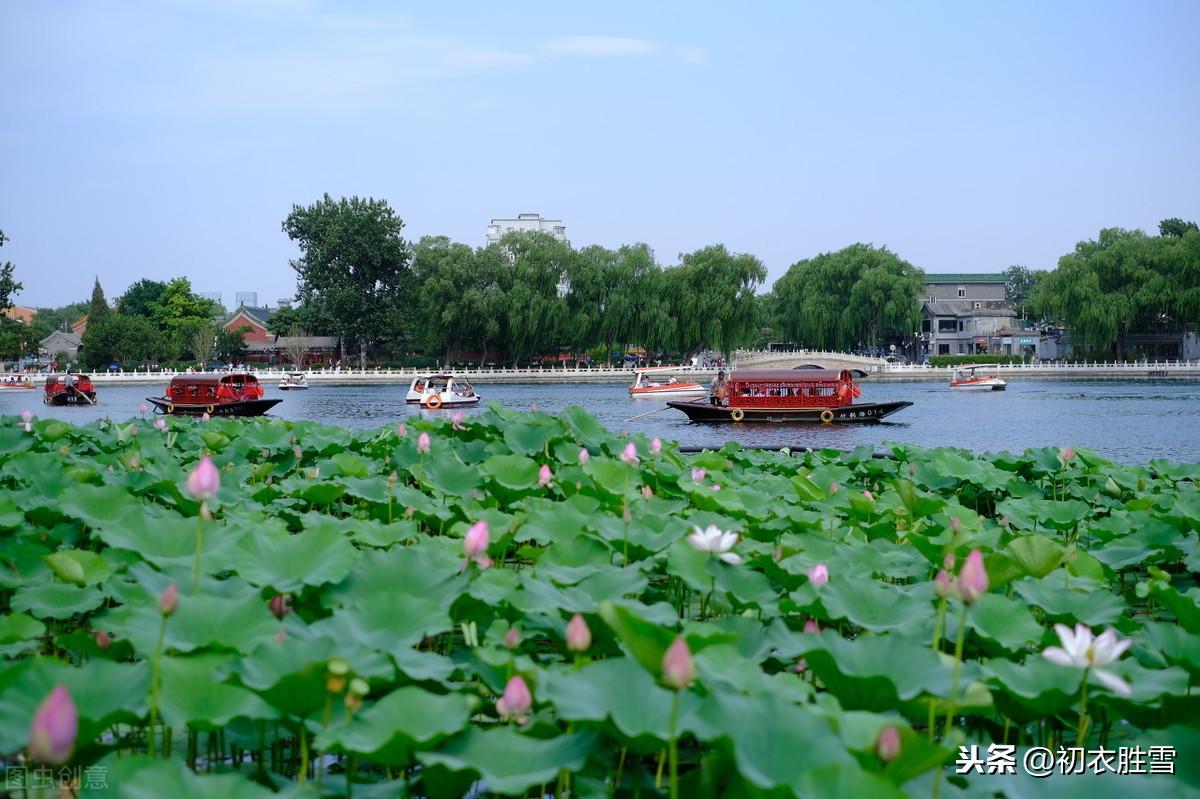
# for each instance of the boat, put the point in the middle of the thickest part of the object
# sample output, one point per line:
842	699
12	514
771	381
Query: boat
644	386
226	394
441	391
17	383
72	388
967	378
783	395
293	381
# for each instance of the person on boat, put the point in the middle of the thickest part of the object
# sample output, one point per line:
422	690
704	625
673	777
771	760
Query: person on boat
718	391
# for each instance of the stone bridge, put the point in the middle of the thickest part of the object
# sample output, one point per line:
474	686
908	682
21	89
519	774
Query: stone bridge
789	359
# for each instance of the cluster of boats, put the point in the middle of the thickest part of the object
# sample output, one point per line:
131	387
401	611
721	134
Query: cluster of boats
777	395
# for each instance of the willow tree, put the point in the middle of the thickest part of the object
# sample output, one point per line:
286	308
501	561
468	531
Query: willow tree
712	298
535	303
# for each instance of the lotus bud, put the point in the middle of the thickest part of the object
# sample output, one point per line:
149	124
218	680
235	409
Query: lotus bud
629	454
677	667
280	606
476	542
512	638
812	626
160	424
655	445
868	495
698	475
626	516
579	637
26	416
102	639
834	487
819	574
54	728
456	420
204	481
716	488
516	701
973	579
169	601
888	744
942	583
948	561
409	512
204	417
423	443
583	455
1066	455
402	430
544	476
956	525
143	408
297	452
647	492
801	666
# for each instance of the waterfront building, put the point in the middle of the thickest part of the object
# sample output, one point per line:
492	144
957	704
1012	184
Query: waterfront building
60	341
967	314
528	223
254	318
264	346
19	313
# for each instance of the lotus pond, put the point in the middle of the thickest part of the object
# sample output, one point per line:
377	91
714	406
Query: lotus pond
530	605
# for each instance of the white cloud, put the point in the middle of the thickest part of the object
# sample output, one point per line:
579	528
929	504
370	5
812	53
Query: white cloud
600	45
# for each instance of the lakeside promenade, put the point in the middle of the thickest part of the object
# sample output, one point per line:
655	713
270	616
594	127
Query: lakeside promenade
877	371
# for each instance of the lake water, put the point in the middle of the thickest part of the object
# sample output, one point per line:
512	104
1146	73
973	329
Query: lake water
1132	421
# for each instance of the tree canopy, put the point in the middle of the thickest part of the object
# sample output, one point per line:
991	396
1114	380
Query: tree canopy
140	298
99	306
8	284
1020	286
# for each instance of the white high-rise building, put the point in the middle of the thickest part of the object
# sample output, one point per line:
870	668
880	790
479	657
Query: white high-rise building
526	222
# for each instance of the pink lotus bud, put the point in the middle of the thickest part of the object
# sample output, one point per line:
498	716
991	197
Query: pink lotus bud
626	516
512	638
677	667
423	442
54	728
402	430
143	408
102	639
1067	455
456	420
956	524
948	561
629	454
280	605
942	583
516	701
973	579
26	416
204	481
583	455
409	511
888	744
698	475
169	600
834	487
811	626
544	475
204	417
655	445
716	488
869	495
819	574
579	637
476	542
801	666
647	492
161	424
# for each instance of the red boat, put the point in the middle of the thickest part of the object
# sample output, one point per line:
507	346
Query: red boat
69	389
777	395
234	394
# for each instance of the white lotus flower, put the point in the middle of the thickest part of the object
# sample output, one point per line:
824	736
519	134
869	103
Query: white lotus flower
1082	650
716	541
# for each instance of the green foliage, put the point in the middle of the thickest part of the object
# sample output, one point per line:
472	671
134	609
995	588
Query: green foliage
98	308
460	302
354	267
8	284
141	298
365	534
1020	286
49	320
16	339
127	341
712	298
1176	227
849	298
230	345
939	361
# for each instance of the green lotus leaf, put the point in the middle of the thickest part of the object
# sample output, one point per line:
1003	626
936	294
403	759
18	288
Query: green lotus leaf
20	627
872	672
286	561
878	607
508	762
389	729
1079	602
79	566
57	600
140	777
1004	621
1036	555
240	624
191	694
450	476
515	472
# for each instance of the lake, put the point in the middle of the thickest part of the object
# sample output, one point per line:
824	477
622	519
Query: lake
1131	421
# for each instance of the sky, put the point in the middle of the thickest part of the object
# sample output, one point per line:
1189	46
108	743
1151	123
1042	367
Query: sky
171	138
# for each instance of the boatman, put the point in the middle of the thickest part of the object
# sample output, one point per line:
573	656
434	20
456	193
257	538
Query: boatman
718	391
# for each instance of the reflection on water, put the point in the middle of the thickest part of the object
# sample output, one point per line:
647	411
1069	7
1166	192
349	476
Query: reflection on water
1130	421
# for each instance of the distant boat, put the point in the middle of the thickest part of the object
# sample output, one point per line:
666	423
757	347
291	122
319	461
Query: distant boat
646	387
232	394
17	383
967	378
72	388
785	395
293	381
441	391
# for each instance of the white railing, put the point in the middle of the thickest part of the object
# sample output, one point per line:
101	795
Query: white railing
1055	366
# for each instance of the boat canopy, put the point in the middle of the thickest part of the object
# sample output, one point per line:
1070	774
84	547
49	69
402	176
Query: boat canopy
212	380
789	375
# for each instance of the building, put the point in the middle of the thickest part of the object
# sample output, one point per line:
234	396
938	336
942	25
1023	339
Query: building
967	314
528	223
263	346
19	313
246	298
60	342
254	318
79	326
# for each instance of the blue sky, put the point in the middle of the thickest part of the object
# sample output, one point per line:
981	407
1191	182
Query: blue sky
143	139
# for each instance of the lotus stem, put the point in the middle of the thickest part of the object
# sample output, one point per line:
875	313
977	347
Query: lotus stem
673	747
155	671
199	546
1081	731
958	650
303	775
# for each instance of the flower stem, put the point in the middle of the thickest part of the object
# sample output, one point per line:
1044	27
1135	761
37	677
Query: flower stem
199	545
673	746
155	670
958	650
939	627
1081	731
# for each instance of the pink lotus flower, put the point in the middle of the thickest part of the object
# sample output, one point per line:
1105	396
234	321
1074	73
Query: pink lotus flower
54	728
544	476
475	545
1081	650
956	524
583	455
143	408
868	495
698	475
456	420
204	481
888	744
973	579
512	638
655	445
819	574
402	430
629	454
942	584
169	601
204	417
677	667
280	605
579	637
423	442
26	416
647	492
800	666
812	626
516	701
161	424
103	640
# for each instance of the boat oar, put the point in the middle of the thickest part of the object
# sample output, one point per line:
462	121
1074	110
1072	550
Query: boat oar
647	413
83	394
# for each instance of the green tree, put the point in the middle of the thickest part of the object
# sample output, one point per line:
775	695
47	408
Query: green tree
117	338
8	284
445	315
1020	287
1176	227
354	265
99	305
17	339
231	344
712	299
141	298
536	306
50	319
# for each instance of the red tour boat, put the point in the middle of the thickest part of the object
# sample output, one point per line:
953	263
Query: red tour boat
234	394
777	395
69	389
